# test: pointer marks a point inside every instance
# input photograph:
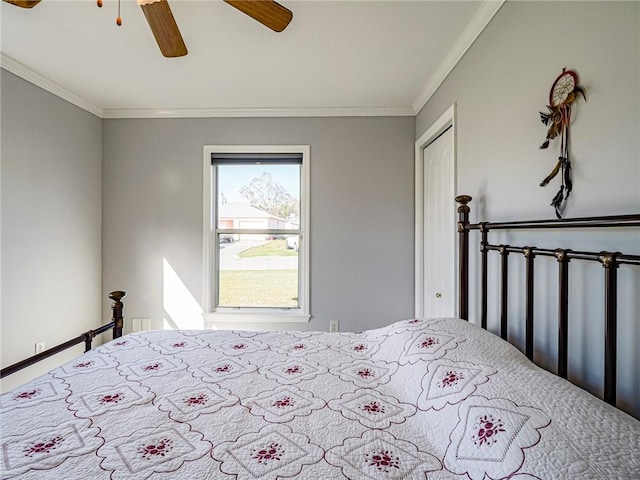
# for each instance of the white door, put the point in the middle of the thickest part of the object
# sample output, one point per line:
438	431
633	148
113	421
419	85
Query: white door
439	227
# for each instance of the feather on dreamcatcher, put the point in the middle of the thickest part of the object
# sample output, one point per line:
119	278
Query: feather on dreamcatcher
564	92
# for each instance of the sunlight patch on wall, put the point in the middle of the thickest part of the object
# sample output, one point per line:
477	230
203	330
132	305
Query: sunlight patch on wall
168	325
184	311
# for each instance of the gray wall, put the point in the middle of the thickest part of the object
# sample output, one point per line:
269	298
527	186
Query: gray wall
502	83
499	86
51	223
361	211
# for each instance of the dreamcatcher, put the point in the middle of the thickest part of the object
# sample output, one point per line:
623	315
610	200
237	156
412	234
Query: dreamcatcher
564	92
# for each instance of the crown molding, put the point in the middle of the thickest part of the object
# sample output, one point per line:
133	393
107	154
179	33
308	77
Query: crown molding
477	24
260	112
24	72
43	82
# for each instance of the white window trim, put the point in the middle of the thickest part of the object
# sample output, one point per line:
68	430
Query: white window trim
255	315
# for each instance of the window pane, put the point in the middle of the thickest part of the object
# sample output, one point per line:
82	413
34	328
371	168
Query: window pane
258	196
258	271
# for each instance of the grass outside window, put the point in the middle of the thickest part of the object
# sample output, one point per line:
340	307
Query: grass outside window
259	288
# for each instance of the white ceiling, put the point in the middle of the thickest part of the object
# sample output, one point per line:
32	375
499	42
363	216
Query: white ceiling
336	57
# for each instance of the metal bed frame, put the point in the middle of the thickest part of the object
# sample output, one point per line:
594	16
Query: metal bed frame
610	261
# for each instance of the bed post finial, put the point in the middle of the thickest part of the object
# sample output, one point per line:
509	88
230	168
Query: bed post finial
117	306
463	234
463	200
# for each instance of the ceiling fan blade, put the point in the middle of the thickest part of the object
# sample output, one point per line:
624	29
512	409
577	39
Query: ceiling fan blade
164	27
23	3
269	13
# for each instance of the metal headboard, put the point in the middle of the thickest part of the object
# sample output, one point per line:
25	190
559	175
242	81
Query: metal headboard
610	261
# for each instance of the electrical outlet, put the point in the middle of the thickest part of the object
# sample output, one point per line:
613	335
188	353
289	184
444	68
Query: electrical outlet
140	324
40	347
136	324
333	326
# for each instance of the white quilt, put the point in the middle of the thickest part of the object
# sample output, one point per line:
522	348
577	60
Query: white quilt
433	398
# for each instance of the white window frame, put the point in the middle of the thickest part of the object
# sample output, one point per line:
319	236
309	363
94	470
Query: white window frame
214	315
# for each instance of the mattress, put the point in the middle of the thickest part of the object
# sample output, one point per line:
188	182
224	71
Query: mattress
421	398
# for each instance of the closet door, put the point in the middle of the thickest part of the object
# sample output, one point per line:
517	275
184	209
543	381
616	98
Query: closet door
439	227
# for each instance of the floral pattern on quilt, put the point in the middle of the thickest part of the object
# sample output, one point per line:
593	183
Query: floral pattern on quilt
283	404
293	371
150	451
188	403
177	345
273	452
123	343
48	389
447	383
90	362
427	345
109	399
302	347
359	349
491	437
378	454
240	346
365	373
413	325
222	369
372	409
47	447
153	367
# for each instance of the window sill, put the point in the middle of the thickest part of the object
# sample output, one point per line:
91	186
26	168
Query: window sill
256	317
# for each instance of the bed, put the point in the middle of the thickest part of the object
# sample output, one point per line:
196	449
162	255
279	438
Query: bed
436	398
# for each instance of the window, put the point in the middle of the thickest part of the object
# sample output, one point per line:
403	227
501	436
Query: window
256	225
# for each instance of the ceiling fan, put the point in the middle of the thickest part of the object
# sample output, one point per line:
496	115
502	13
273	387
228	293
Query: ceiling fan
165	30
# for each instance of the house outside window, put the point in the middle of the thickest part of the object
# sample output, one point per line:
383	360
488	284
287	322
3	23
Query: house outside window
256	218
